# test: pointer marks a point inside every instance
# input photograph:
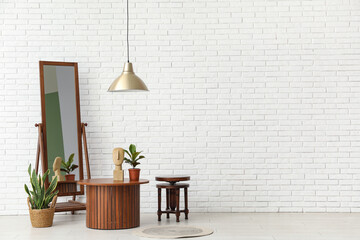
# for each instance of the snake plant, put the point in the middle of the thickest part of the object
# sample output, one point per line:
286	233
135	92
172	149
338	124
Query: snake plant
134	157
39	196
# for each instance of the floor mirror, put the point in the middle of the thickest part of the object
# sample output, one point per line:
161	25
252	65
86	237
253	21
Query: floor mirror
61	132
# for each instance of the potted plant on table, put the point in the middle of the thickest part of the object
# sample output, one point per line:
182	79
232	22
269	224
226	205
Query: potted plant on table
68	167
133	160
41	214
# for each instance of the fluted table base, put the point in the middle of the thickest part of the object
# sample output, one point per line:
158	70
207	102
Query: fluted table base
113	207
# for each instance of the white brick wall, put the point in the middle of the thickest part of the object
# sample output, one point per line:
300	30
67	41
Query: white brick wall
257	100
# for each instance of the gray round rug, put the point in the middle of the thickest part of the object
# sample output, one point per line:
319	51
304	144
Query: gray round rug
172	231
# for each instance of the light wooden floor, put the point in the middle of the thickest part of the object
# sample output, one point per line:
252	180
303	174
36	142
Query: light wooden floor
242	226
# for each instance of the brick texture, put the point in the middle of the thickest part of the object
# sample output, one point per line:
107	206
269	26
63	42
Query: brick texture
257	100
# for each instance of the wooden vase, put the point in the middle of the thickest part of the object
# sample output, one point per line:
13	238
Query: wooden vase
134	174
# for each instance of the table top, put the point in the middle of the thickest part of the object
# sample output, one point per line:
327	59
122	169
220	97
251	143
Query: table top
172	178
110	182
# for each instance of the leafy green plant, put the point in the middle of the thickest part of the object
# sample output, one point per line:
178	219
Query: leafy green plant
134	157
39	196
68	167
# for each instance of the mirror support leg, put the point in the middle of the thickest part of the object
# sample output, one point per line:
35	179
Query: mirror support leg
83	125
40	147
37	157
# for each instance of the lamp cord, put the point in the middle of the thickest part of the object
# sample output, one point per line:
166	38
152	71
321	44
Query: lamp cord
127	28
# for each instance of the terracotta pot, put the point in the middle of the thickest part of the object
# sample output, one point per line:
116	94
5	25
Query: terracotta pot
134	174
70	177
41	218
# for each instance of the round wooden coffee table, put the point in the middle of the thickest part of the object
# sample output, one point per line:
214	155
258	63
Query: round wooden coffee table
112	204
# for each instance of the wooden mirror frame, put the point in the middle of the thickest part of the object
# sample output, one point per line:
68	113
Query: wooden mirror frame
44	159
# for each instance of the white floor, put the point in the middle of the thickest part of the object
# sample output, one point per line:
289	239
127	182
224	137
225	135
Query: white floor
242	226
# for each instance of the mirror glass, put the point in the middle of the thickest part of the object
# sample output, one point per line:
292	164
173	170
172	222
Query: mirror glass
61	123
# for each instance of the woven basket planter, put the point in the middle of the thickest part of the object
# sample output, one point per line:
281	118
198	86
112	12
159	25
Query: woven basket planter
41	218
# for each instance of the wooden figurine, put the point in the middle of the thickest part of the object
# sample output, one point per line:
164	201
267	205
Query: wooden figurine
56	169
118	159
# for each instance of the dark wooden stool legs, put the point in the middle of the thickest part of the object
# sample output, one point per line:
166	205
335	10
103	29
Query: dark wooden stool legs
186	203
159	204
177	205
167	202
172	197
173	200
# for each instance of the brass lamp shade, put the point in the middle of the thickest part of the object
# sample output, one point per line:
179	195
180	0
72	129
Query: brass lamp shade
127	81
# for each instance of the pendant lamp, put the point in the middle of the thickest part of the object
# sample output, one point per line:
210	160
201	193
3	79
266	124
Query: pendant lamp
127	81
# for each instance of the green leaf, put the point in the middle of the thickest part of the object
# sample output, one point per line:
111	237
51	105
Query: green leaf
141	157
32	183
129	161
135	155
71	158
36	183
29	170
127	153
132	149
64	170
32	203
27	190
38	202
45	175
49	198
73	167
40	183
63	163
42	196
52	186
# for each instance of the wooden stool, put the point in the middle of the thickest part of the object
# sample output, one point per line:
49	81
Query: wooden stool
173	196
